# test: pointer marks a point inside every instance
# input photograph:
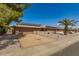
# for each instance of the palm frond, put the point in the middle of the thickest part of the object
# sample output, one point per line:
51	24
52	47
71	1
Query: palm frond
68	22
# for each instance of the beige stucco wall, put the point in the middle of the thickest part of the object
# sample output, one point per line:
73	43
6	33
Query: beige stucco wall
30	29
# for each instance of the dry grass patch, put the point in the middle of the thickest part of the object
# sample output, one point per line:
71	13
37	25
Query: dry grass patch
33	40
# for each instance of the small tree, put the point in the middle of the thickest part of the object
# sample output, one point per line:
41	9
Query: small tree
4	26
67	22
11	12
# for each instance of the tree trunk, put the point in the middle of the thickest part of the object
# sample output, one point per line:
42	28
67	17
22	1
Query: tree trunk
65	30
13	31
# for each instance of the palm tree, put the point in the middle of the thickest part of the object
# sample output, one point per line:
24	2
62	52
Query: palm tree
67	22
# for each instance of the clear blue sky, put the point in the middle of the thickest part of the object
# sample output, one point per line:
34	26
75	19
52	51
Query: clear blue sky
50	13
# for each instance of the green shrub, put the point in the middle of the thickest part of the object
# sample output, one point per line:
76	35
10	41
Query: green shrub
3	30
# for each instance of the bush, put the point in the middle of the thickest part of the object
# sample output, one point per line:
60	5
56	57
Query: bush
3	30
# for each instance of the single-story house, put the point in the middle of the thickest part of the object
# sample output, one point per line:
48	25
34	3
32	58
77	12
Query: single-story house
27	27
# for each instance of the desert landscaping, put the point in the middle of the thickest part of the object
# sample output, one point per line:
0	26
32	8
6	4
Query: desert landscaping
35	44
29	29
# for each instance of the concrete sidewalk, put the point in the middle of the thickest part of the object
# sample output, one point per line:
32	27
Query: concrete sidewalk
45	49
